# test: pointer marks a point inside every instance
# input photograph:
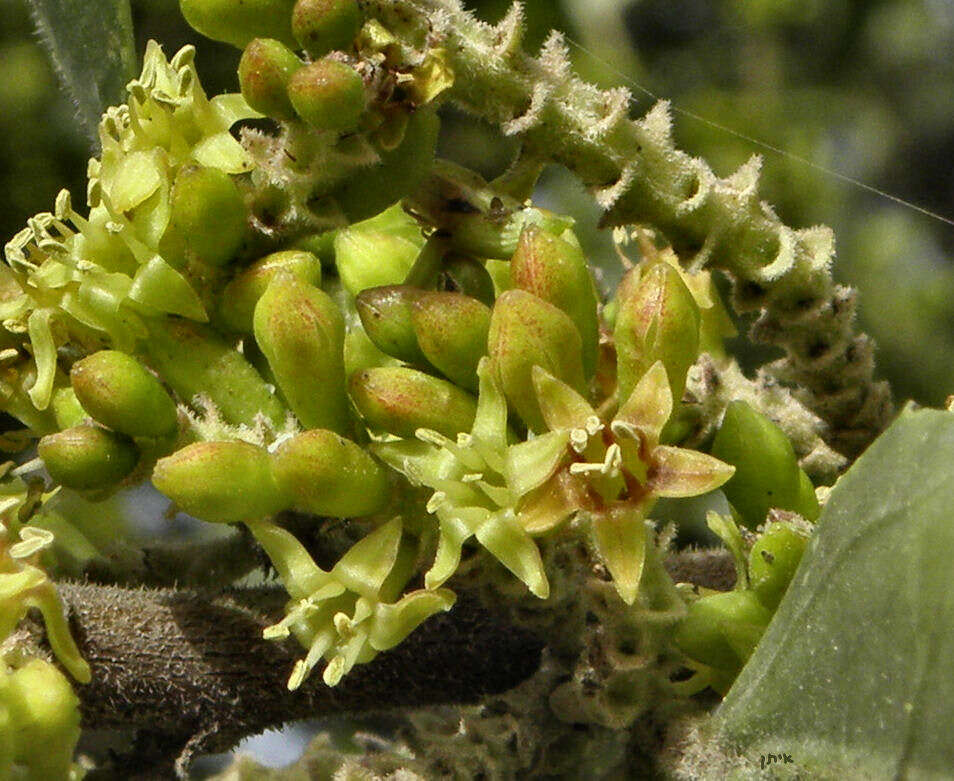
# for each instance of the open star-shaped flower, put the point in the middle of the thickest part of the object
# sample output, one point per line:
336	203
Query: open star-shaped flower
620	469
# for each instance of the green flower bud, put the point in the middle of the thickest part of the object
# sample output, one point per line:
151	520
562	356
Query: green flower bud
322	473
657	320
264	71
118	392
399	173
44	714
721	630
401	400
463	274
556	271
526	331
328	95
773	560
223	482
320	26
208	219
193	359
385	313
767	474
238	299
88	457
239	21
300	330
452	333
369	258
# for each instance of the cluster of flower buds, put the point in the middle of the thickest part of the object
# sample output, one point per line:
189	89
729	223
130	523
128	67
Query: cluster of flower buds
196	329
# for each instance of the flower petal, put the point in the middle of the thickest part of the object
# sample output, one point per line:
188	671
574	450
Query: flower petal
649	405
620	539
677	472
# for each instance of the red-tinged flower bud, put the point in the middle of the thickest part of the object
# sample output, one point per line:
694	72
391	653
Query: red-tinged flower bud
209	221
328	95
555	270
320	26
238	300
452	333
300	330
526	331
117	391
222	482
657	320
322	473
239	21
385	313
264	71
88	457
401	400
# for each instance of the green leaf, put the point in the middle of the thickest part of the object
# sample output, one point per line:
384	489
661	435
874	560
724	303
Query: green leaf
92	48
853	678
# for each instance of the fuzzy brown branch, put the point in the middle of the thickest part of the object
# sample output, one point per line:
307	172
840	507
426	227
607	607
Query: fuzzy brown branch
193	674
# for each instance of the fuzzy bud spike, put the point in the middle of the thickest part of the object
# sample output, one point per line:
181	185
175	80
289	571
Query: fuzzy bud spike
555	270
88	457
657	320
118	392
325	474
300	330
223	482
452	332
401	401
526	331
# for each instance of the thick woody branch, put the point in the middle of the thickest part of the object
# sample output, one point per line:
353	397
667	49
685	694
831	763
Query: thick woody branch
193	673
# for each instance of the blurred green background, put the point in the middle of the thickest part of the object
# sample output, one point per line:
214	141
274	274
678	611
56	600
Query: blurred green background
864	87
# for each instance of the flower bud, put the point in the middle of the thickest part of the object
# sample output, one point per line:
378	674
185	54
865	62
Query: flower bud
118	392
322	473
44	713
264	71
657	320
208	221
767	474
773	560
555	270
321	26
467	275
721	630
239	21
88	457
385	313
399	173
301	332
526	331
193	359
238	299
369	258
328	95
452	332
401	400
223	482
